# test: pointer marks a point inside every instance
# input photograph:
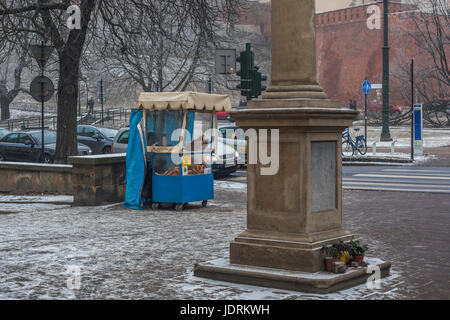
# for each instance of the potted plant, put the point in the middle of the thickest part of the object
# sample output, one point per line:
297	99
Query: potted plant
358	250
343	252
330	253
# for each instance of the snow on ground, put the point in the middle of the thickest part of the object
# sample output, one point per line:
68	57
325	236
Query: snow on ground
392	156
20	114
150	254
229	185
35	199
124	254
433	138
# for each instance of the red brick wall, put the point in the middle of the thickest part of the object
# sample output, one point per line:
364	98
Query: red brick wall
257	14
348	52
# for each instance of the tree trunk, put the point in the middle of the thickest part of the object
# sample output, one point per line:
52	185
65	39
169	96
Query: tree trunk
69	62
67	144
4	105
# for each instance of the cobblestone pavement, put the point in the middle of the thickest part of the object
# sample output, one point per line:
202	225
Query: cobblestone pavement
124	254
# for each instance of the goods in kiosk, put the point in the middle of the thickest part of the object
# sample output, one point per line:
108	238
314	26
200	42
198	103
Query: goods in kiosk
169	155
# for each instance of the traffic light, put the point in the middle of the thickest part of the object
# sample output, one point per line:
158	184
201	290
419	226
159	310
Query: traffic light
251	79
257	79
246	60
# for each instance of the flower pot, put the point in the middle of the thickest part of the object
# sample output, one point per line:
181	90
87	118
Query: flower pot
359	259
349	261
329	263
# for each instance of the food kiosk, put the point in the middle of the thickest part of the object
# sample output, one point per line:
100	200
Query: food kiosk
170	149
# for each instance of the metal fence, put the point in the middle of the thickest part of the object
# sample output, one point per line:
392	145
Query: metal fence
111	117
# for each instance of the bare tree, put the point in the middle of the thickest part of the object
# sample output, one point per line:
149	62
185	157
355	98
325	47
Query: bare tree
427	30
48	22
166	53
13	60
431	33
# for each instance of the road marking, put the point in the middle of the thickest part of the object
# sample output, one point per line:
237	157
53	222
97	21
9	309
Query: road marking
414	174
401	177
398	184
412	170
396	189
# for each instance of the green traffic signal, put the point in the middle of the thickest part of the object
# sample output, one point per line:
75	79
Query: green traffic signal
251	80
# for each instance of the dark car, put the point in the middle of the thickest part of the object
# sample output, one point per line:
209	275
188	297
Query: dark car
100	140
27	147
3	132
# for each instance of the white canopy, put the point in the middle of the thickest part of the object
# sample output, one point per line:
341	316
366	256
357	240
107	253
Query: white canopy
184	101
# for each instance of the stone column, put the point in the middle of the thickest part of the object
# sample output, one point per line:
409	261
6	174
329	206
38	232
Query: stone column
293	51
293	214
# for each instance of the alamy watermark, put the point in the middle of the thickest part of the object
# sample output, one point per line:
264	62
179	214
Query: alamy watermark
374	20
74	19
257	146
74	280
374	281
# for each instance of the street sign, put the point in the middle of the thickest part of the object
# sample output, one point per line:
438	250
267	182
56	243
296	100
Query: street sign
366	86
41	53
101	88
376	86
36	88
418	129
225	61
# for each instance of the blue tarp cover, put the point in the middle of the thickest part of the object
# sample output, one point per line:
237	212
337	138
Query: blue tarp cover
136	163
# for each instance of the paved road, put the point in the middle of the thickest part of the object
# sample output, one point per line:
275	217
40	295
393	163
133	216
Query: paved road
390	178
404	179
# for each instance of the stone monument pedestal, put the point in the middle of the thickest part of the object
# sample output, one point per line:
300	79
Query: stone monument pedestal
318	282
294	213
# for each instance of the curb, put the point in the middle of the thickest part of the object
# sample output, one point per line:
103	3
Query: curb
380	161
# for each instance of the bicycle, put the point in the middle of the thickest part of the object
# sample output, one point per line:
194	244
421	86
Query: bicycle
360	145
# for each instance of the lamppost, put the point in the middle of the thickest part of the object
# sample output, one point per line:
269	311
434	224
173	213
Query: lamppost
385	133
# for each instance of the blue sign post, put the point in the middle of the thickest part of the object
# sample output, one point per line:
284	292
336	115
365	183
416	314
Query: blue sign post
367	86
418	129
366	89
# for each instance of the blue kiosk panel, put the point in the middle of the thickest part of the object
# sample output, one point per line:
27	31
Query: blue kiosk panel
183	189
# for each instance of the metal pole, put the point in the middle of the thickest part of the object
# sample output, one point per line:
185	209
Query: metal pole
365	118
42	102
87	97
101	96
412	109
385	133
79	93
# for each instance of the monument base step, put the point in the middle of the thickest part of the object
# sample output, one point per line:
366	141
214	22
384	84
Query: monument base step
319	282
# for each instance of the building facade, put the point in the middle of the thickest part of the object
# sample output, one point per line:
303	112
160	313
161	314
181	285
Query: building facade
349	45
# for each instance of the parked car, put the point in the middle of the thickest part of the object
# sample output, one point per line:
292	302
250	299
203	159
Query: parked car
99	139
235	138
377	108
27	147
222	115
120	142
225	159
3	132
